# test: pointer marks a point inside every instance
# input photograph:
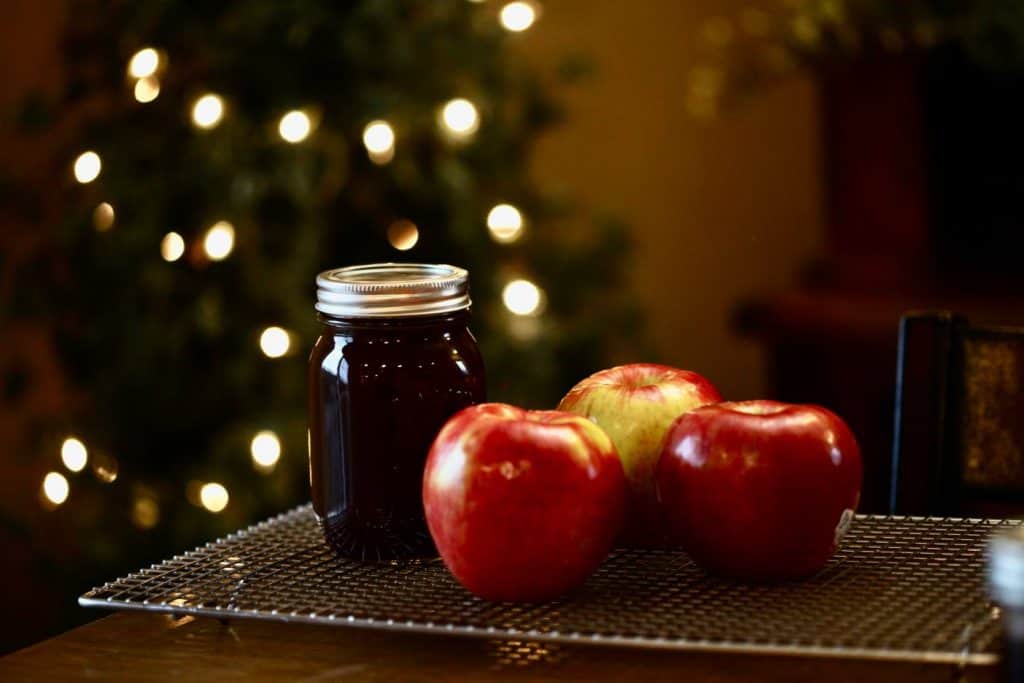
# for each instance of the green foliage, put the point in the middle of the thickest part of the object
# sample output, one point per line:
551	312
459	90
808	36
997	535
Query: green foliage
166	354
820	34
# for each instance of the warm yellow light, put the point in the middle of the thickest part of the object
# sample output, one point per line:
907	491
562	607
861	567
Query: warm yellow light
379	138
105	468
522	297
172	247
295	126
505	223
145	512
73	454
103	217
219	240
459	118
144	63
213	496
266	450
275	342
518	16
147	89
56	488
403	235
207	111
88	167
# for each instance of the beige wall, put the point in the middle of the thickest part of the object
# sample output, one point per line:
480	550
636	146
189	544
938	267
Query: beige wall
720	210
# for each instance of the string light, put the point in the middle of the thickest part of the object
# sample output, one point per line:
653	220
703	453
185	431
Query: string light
275	342
55	488
265	450
105	468
379	139
172	247
145	512
219	240
207	111
522	297
505	223
144	63
74	454
103	217
459	118
403	234
518	16
295	126
147	89
88	167
213	496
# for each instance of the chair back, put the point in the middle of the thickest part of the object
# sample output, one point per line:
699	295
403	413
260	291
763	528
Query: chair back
958	447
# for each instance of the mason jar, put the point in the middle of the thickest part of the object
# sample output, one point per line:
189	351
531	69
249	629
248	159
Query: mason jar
395	359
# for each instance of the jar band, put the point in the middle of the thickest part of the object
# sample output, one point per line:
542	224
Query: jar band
388	290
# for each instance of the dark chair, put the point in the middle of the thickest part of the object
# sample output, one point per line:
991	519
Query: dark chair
958	447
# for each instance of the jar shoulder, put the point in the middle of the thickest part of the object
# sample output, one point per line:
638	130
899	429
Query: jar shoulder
344	352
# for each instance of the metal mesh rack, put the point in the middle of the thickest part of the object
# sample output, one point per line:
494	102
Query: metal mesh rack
907	588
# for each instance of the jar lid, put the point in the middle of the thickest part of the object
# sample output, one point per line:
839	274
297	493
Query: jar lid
390	290
1006	568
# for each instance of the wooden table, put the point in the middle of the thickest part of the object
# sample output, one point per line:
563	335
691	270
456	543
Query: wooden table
150	647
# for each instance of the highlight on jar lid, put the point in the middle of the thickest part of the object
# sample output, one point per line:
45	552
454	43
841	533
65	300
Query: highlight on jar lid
386	290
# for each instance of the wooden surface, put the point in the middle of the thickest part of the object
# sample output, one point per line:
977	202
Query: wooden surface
149	647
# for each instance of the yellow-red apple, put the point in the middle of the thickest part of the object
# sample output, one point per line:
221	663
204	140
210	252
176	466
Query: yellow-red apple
636	404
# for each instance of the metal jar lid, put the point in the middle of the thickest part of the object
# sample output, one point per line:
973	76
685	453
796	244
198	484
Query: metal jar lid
1006	568
392	290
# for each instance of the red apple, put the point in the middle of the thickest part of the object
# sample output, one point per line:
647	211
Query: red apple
523	505
636	404
760	489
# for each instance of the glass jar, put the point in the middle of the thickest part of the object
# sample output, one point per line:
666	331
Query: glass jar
394	361
1006	587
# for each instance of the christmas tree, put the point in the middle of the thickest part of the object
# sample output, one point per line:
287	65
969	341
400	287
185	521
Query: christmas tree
221	155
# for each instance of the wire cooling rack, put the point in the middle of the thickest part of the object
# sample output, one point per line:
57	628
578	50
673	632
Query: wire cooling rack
900	588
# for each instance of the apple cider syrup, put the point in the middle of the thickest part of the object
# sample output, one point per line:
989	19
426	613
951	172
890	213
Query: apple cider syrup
395	359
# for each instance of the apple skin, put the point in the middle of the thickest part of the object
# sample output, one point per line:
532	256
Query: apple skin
523	505
760	490
636	404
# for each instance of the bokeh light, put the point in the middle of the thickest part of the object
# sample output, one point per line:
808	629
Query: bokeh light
74	454
518	16
172	247
265	450
145	512
522	297
88	167
275	342
403	234
104	468
207	111
219	240
379	139
295	126
505	223
147	89
213	496
459	118
103	217
55	488
144	63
